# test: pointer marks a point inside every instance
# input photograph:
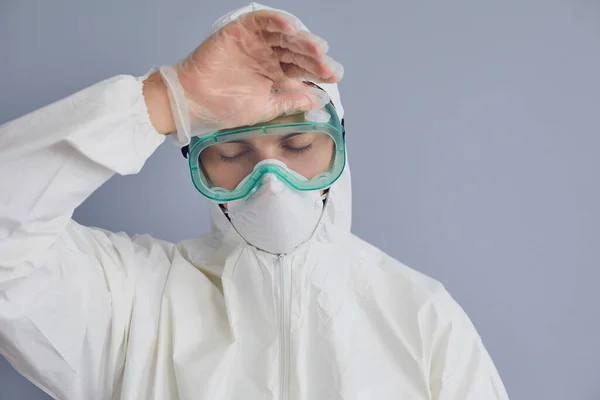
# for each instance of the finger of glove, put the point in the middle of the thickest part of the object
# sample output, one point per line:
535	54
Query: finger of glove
293	71
305	98
324	68
303	43
270	21
314	66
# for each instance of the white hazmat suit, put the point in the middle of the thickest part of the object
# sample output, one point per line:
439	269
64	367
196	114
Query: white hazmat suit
90	314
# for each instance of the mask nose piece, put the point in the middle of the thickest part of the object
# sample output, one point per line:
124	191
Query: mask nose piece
273	184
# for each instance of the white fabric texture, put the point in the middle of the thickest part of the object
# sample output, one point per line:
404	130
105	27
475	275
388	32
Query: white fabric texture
90	314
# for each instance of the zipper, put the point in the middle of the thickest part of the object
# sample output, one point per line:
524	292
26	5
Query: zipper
284	327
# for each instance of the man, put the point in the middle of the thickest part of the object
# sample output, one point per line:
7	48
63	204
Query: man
279	301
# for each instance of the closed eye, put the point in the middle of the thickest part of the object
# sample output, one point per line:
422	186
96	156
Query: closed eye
233	158
299	150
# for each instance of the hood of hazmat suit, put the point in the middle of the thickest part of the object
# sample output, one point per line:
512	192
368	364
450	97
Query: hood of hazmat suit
95	315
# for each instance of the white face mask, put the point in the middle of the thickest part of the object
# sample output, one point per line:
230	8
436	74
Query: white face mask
276	218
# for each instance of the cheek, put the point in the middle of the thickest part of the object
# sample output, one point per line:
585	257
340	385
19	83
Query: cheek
319	162
220	177
210	163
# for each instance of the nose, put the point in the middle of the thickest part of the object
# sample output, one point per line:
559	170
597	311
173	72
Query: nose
267	154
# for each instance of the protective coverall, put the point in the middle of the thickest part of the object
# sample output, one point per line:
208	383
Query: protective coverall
90	314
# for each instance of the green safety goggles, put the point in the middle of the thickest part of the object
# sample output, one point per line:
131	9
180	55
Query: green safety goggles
307	151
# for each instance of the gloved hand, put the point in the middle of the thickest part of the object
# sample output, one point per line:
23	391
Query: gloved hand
249	71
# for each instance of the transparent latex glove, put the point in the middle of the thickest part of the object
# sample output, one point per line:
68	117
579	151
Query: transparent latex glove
250	71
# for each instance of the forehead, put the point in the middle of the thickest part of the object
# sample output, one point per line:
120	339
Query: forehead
270	140
287	119
283	119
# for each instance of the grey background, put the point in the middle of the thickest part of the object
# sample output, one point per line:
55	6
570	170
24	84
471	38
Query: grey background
473	133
